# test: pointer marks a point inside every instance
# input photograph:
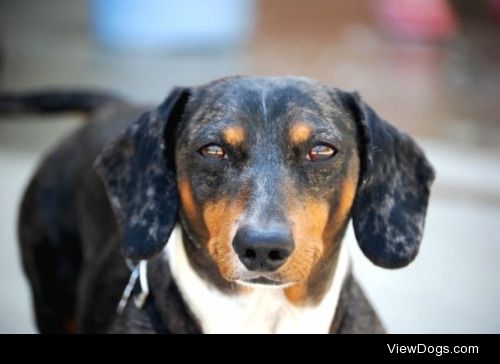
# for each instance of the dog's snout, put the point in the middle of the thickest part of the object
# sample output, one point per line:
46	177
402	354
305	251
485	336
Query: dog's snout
263	250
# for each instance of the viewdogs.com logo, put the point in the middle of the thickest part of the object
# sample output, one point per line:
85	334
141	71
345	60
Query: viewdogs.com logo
437	350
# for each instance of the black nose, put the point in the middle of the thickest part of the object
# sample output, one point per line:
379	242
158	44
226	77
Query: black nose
263	250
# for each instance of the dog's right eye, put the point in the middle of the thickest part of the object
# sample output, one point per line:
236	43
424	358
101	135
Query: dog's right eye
213	151
321	152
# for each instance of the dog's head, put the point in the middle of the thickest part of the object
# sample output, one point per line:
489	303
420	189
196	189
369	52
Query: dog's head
264	175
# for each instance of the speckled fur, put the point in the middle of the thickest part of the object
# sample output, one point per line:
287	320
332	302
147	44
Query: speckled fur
391	202
77	226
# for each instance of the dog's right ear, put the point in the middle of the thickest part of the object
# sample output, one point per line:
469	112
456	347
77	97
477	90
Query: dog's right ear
138	172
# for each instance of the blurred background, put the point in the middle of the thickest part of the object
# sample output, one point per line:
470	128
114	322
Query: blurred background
430	67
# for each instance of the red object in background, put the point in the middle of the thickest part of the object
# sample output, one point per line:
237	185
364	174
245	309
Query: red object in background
418	20
495	9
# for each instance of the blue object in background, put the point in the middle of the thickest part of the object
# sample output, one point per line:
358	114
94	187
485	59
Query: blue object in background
185	25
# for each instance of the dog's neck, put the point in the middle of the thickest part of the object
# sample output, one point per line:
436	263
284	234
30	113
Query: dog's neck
256	310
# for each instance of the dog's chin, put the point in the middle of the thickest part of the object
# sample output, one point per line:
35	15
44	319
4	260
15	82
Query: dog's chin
263	282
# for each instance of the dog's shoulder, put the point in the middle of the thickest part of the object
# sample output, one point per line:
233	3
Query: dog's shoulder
355	315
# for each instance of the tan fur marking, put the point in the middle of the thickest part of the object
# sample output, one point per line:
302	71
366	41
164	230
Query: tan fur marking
346	200
187	199
234	135
296	294
220	219
315	226
308	219
300	132
347	194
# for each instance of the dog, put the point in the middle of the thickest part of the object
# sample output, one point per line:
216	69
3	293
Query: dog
222	210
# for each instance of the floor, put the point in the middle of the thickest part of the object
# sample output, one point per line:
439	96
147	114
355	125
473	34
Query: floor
445	96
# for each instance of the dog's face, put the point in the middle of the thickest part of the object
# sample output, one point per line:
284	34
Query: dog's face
264	174
267	171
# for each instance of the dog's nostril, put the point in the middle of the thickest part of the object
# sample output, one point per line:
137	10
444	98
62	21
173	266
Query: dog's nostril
275	255
250	254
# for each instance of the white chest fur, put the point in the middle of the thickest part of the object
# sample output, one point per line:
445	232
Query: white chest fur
263	310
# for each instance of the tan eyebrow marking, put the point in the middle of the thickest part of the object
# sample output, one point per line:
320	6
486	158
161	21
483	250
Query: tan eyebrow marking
234	135
300	132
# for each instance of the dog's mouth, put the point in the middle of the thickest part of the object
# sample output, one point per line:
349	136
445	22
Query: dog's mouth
260	281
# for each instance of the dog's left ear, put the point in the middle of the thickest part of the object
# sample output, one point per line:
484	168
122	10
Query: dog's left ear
138	171
393	192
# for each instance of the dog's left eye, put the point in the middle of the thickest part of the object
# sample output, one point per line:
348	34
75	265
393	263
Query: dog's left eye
320	152
213	151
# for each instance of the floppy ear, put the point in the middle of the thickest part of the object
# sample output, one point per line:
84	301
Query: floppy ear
393	192
138	172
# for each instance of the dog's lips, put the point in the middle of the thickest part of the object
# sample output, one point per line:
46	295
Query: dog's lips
263	281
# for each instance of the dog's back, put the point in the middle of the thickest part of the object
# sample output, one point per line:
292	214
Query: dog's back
64	206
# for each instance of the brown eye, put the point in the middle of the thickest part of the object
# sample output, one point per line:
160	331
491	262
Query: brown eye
320	152
213	151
